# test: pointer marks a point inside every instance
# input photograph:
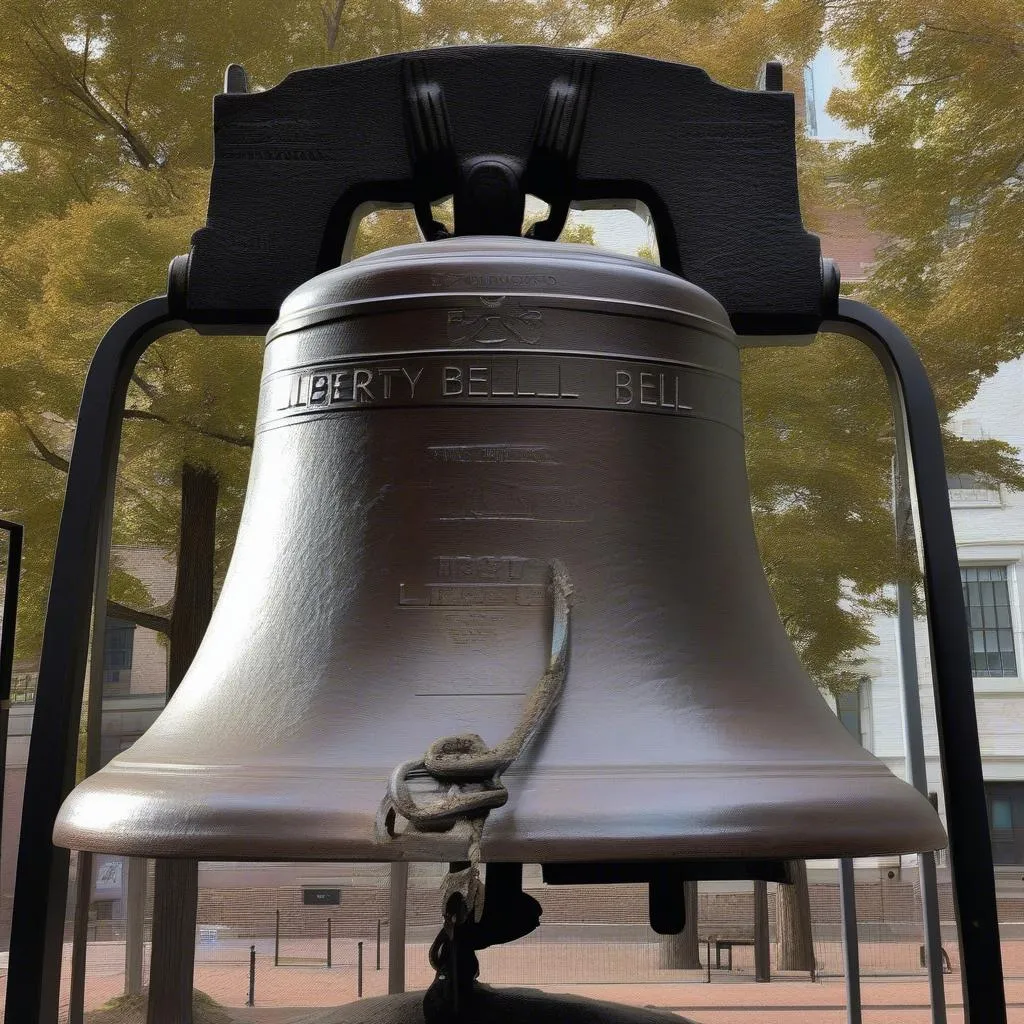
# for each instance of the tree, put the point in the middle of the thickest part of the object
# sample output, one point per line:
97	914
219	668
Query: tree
937	91
682	951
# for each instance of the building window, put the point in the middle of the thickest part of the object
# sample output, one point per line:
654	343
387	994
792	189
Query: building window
848	711
987	600
1005	818
118	645
969	491
965	482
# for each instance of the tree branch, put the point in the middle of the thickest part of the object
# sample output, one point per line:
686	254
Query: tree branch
47	455
148	620
63	75
332	20
216	435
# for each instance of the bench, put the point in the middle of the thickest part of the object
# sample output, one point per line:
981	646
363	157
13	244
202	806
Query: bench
726	940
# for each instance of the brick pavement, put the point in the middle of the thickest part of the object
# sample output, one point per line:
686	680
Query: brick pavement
289	995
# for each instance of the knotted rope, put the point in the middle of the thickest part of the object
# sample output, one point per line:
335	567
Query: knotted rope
471	771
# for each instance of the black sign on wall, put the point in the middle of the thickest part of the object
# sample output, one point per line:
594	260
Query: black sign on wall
321	897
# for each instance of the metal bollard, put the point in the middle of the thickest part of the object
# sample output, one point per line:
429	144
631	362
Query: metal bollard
277	938
378	944
359	972
328	942
252	976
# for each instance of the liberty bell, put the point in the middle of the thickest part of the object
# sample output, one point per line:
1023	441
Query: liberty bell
496	596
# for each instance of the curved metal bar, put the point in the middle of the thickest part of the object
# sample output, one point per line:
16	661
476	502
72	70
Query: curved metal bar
974	894
37	930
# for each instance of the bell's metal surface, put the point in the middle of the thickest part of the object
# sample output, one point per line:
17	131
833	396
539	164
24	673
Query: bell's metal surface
437	424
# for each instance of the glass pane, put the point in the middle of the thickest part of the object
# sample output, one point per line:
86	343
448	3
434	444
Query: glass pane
1003	617
1005	640
1002	593
995	664
984	574
1009	665
987	594
988	616
978	641
974	593
999	572
1002	813
968	573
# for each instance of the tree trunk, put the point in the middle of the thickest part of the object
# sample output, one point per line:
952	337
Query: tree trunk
176	889
681	952
193	583
796	942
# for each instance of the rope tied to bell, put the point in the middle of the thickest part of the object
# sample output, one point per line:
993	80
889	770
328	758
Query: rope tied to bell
470	771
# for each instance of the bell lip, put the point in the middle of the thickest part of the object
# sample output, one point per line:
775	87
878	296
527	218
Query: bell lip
115	813
405	276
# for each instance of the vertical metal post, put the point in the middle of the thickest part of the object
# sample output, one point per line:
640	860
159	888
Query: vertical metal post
277	938
12	577
396	926
37	927
913	732
135	923
378	944
851	950
970	848
328	942
762	945
252	976
85	863
359	971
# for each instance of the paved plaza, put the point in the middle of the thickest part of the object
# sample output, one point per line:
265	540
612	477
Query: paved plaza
301	994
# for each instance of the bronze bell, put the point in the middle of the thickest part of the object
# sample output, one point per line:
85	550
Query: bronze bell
438	426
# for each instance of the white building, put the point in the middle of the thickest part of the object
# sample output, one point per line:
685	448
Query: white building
989	526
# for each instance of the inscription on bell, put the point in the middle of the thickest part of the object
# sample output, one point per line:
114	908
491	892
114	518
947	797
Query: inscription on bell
505	380
568	381
640	388
360	384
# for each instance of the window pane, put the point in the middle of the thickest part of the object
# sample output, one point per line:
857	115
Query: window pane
989	619
1002	813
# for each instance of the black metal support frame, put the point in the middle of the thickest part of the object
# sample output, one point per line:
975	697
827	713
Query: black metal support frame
37	935
974	892
40	895
12	577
